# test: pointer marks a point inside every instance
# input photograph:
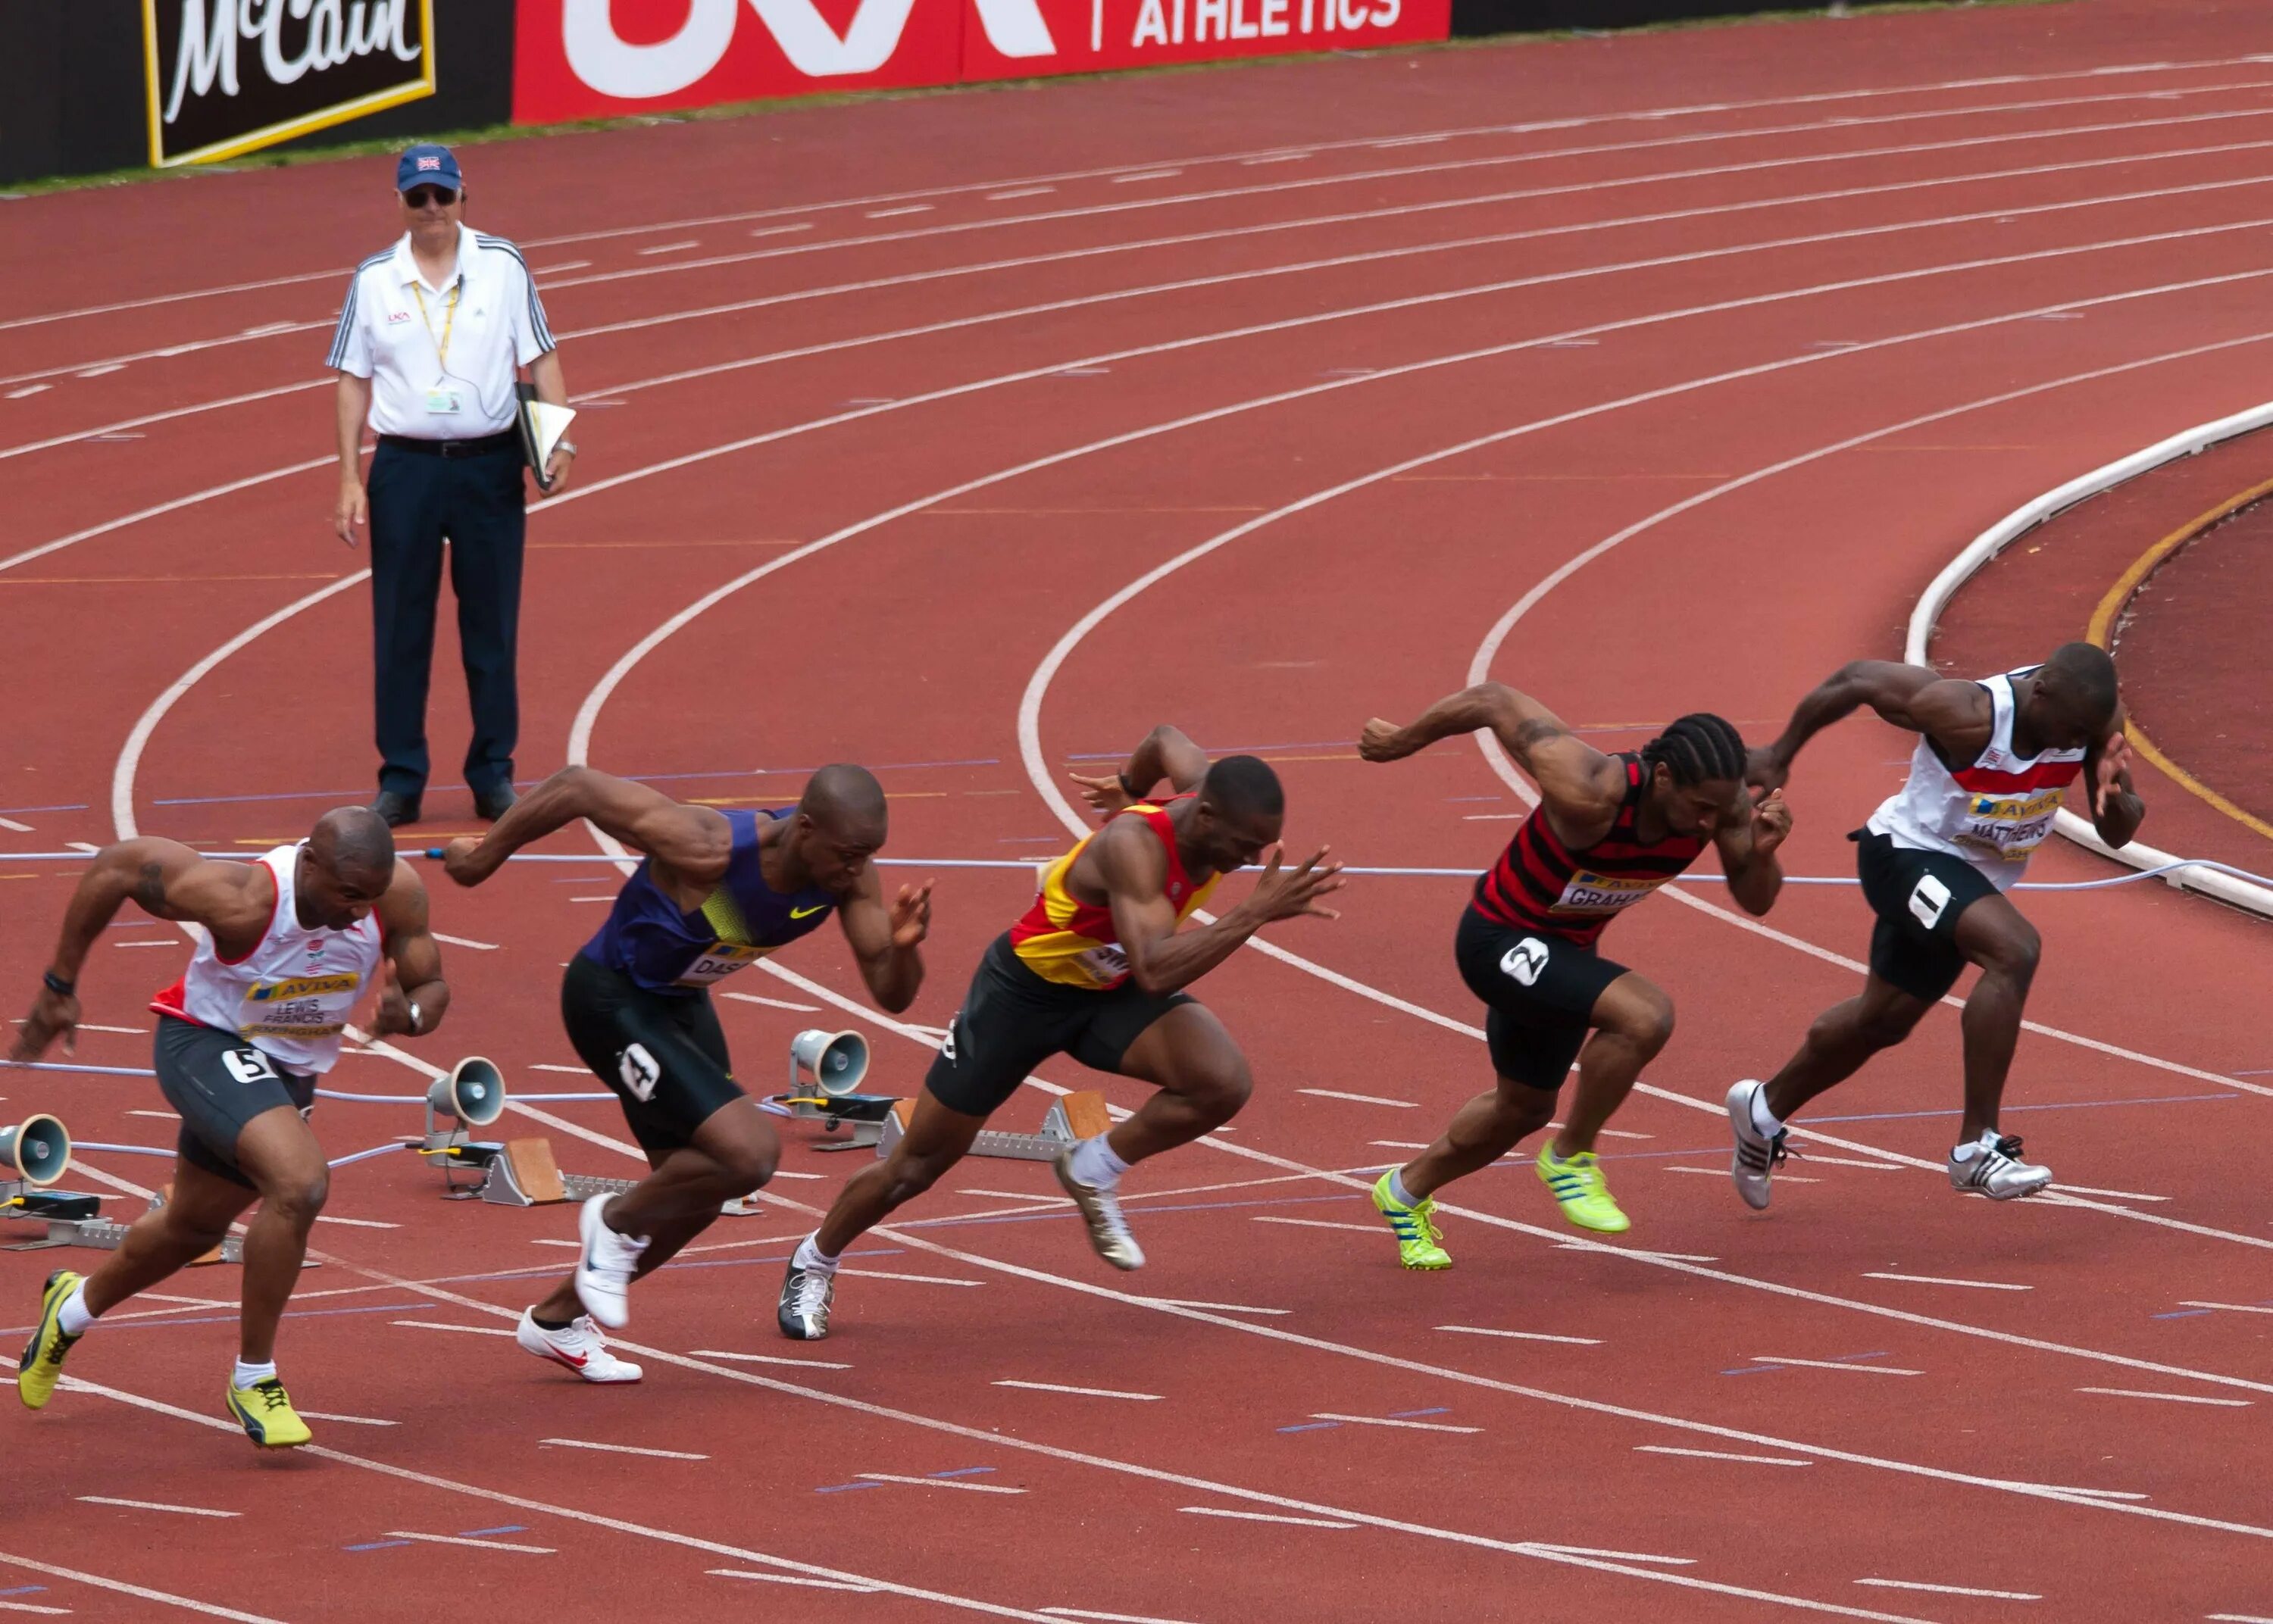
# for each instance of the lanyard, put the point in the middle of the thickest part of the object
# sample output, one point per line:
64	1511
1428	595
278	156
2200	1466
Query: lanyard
449	319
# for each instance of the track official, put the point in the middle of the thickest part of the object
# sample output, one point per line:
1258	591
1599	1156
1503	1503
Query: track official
431	339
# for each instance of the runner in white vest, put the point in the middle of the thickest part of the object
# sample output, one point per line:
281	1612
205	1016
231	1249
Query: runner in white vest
1995	760
292	941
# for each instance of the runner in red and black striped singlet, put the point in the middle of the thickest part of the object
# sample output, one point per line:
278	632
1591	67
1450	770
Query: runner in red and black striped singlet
1539	883
1607	831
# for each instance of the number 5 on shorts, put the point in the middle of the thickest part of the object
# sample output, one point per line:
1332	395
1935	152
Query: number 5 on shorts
248	1065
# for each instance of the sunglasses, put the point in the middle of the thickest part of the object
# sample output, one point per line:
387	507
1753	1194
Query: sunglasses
419	197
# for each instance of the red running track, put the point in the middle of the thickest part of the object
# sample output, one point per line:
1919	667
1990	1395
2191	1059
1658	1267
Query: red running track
1701	351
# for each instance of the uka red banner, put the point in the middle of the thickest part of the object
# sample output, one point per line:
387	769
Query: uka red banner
1033	37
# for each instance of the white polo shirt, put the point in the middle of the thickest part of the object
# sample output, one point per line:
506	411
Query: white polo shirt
393	327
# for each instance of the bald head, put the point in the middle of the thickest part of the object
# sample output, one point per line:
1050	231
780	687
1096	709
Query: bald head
355	843
2079	679
847	804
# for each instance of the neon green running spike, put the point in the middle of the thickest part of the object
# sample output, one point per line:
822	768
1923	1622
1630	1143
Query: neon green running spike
1415	1228
1578	1184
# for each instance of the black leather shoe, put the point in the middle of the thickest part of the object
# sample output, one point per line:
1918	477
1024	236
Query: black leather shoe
494	803
395	809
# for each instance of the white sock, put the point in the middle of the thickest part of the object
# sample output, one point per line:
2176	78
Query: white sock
810	1258
1763	1119
1398	1193
1095	1165
73	1317
1972	1147
247	1374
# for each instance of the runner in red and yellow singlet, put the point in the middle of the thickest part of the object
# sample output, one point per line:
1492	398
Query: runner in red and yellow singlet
1096	969
1608	832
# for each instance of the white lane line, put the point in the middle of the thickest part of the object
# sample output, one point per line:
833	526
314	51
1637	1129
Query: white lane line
1537	126
2169	1398
1359	1099
351	1420
124	1589
1485	1331
935	1483
773	1003
1187	1302
1022	1195
1108	1618
1719	1455
1397	1144
1875	1370
31	389
1262	1517
20	828
1149	175
1813	1158
1376	1421
1620	1556
561	269
792	1578
156	1505
1723	1172
2215	1618
2120	1196
905	208
621	1448
2233	1307
1978	1286
168	1115
1641	1252
573	1071
1021	191
80	845
438	1325
465	941
32	1606
1320	1223
2064	1488
670	247
359	1223
765	1358
479	1544
802	225
879	1274
158	942
1052	1386
1952	1589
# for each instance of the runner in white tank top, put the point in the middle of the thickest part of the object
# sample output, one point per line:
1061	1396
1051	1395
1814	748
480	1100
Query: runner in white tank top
1995	760
291	942
290	996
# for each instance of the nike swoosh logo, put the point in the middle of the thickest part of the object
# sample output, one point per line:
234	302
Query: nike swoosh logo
806	913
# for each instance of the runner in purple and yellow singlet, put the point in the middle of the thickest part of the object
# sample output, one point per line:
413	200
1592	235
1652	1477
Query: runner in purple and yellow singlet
1607	831
1097	970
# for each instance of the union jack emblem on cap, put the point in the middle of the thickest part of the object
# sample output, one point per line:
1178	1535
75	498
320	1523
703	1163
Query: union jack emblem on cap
430	163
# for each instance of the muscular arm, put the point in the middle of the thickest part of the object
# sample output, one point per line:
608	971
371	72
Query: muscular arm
1161	958
1578	785
1954	715
1165	754
690	844
2117	811
1747	843
414	957
886	941
167	881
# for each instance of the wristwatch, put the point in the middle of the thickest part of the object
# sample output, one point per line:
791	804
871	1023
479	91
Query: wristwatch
568	446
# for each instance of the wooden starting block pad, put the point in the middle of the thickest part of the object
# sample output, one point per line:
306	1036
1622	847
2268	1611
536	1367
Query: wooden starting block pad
1074	1117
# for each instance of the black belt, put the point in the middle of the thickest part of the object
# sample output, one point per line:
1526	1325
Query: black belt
488	444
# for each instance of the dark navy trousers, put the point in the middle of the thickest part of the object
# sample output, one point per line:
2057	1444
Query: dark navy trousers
476	503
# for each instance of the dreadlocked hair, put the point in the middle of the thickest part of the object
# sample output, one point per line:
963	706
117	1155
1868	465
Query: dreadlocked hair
1698	748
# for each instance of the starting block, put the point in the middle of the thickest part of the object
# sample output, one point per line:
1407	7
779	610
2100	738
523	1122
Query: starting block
521	1172
77	1221
1074	1117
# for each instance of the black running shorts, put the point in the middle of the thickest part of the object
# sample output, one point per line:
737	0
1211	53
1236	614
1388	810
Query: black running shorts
662	1053
1919	897
1539	990
1012	1020
218	1083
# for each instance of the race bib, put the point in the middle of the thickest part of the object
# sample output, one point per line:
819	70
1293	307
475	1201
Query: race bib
304	1007
1109	963
1589	893
719	960
443	401
2011	825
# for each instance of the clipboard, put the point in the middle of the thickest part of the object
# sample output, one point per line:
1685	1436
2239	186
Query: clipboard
542	427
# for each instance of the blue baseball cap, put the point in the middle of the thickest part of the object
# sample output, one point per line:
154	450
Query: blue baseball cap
428	165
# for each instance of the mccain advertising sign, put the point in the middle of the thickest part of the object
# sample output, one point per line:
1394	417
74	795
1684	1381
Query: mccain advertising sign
229	76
